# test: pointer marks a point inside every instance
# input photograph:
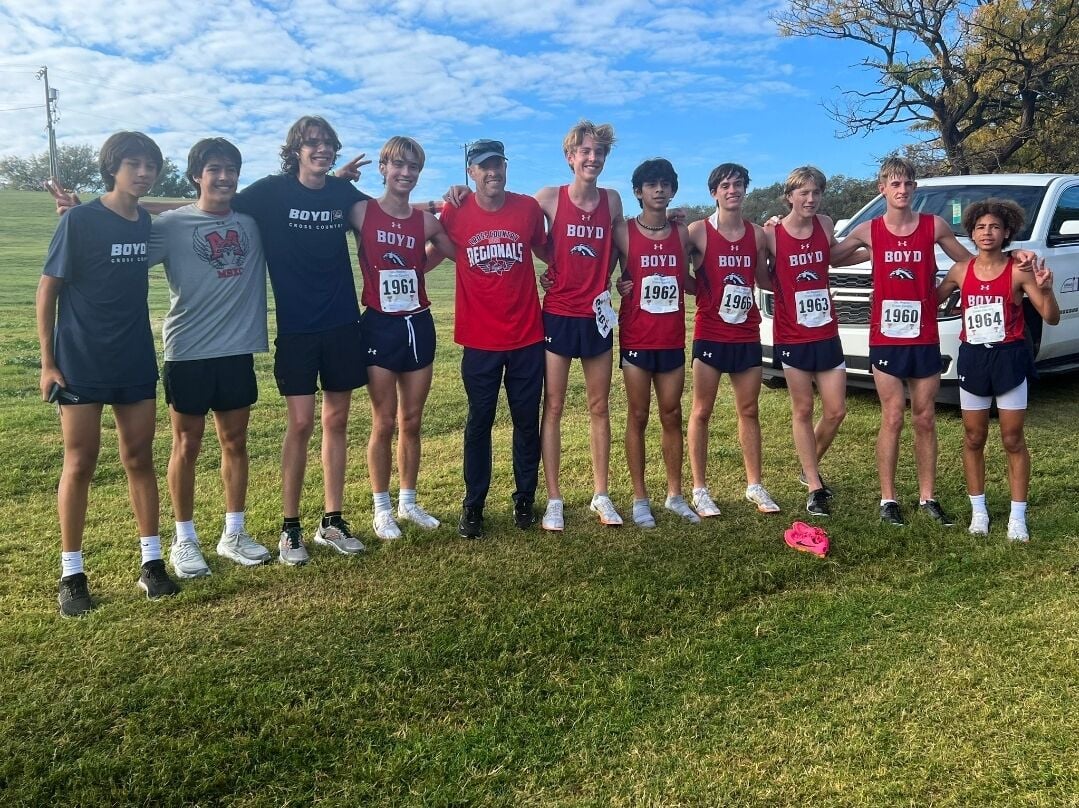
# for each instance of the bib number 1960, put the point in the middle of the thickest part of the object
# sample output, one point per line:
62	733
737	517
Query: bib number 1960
901	319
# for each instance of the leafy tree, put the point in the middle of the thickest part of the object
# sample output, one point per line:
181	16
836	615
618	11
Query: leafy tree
981	75
172	182
78	169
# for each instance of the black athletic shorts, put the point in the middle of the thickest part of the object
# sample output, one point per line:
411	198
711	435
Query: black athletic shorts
812	357
654	361
907	361
398	342
196	386
574	336
132	394
992	370
728	357
336	358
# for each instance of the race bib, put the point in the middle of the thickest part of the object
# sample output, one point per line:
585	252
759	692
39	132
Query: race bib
984	323
901	319
605	313
659	294
814	307
398	290
737	301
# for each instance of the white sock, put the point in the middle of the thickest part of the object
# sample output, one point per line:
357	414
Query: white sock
407	497
1019	511
234	522
70	563
185	531
151	548
977	503
886	501
382	501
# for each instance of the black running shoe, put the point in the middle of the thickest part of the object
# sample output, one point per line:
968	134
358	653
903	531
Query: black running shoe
817	503
74	597
889	513
932	509
471	524
524	514
827	489
155	580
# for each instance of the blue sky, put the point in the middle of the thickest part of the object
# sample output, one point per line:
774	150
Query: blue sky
697	82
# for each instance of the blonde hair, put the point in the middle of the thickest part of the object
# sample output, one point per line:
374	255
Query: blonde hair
397	147
603	134
803	175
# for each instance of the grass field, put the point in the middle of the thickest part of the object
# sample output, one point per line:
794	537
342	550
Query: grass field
704	665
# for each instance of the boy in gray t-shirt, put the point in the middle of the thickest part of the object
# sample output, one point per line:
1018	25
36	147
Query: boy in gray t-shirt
216	322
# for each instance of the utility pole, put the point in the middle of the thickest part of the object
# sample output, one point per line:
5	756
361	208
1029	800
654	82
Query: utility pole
50	100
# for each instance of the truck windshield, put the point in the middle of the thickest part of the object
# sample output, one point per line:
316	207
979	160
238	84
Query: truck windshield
949	201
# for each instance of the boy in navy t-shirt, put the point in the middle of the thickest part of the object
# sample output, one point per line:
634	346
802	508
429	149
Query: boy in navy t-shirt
93	326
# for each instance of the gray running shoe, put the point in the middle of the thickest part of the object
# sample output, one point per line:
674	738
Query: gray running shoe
553	517
290	549
154	580
603	508
703	503
74	596
758	495
676	503
242	549
338	537
642	515
187	561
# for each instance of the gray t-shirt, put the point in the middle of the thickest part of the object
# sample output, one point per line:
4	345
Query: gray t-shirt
217	283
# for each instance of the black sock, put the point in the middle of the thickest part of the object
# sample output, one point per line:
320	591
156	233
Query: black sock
329	517
290	522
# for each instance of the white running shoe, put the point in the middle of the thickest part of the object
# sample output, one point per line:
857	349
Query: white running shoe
242	549
385	526
553	518
418	516
979	523
1017	530
642	515
187	561
759	497
677	504
602	506
703	503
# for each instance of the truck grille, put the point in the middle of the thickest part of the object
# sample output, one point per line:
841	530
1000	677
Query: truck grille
850	313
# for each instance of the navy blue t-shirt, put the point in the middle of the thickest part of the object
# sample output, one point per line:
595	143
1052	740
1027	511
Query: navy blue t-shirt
304	237
102	336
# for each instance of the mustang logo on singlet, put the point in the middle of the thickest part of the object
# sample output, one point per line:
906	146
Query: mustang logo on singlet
224	250
393	258
806	275
904	274
736	279
583	249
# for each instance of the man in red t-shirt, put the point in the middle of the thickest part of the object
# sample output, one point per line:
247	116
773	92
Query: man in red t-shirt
497	320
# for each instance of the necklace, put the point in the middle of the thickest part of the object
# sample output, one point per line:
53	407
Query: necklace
649	227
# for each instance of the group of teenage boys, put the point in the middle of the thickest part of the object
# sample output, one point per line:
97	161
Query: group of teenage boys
97	347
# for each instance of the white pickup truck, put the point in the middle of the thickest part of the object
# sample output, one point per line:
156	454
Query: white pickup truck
1051	202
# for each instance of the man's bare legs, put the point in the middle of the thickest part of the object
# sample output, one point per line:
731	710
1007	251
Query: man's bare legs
81	429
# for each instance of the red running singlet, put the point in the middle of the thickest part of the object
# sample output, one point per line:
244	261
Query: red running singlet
653	316
726	281
392	257
580	266
803	304
904	285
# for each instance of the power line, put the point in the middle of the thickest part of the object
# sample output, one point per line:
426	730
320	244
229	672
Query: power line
16	109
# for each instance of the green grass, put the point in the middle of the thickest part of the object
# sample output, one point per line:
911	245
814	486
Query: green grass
701	666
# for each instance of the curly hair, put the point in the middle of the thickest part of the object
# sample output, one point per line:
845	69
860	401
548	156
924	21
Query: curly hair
1011	215
290	151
